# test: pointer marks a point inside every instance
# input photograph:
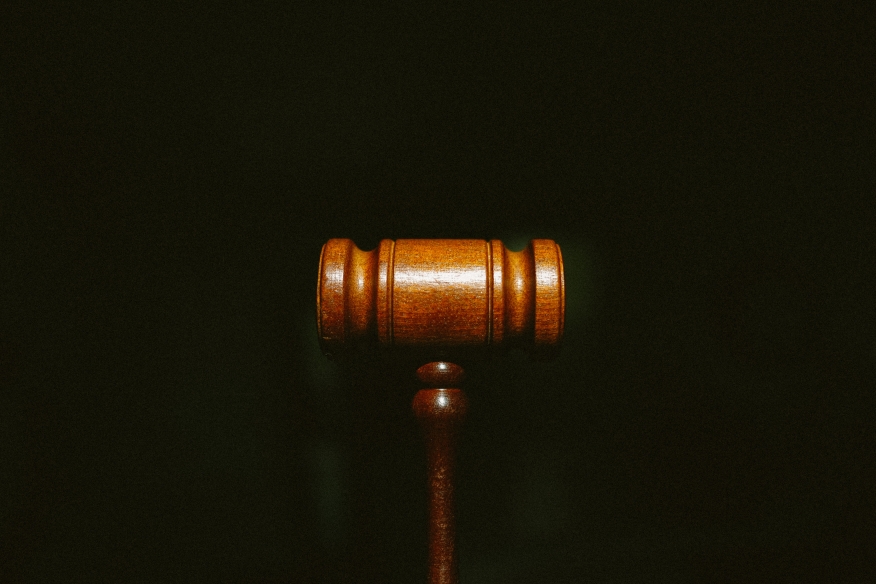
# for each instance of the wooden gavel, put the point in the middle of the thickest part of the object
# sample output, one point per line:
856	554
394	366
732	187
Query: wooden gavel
433	298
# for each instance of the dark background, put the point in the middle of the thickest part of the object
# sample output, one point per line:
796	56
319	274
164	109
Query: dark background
170	174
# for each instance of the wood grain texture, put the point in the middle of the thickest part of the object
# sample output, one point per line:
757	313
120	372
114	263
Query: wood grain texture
440	293
441	410
434	295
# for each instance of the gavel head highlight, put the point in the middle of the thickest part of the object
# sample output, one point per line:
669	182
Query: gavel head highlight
441	294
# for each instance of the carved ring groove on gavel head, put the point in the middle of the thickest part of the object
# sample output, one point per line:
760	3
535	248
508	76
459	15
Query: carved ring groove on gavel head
441	294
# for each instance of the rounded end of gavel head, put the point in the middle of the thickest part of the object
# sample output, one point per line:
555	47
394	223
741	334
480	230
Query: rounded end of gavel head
441	296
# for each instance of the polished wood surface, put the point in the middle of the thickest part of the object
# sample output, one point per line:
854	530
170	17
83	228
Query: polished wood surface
440	293
441	409
440	297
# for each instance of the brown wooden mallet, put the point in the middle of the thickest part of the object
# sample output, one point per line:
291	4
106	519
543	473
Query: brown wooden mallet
433	298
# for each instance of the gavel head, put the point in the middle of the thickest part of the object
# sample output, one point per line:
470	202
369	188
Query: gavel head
437	295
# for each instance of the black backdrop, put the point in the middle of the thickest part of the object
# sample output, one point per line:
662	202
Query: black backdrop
169	177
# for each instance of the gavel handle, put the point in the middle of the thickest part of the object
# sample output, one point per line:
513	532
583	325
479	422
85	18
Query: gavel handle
441	412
